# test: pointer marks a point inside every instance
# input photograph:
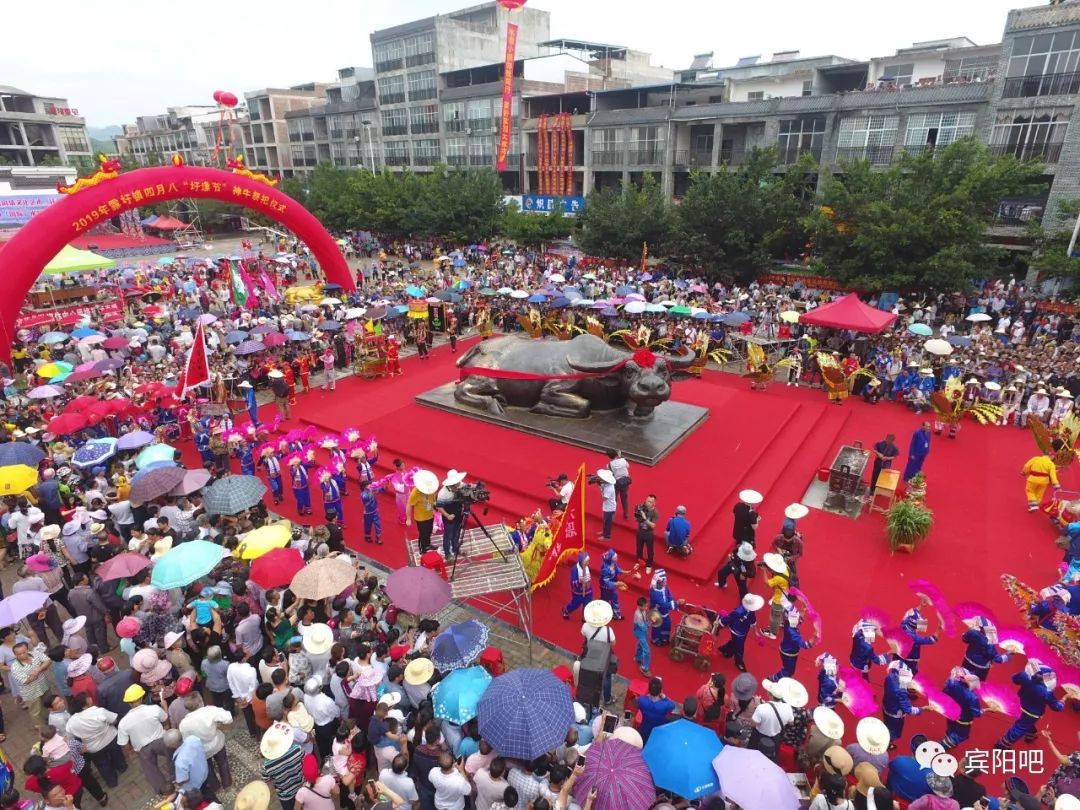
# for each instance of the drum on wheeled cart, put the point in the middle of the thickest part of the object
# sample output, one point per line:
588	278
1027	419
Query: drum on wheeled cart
695	636
370	356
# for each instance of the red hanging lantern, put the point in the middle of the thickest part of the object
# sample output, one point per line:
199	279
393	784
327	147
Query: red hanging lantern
227	98
512	5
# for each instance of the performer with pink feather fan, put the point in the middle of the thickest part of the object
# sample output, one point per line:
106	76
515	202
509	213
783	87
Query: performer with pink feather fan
895	703
272	466
961	687
331	494
981	639
1037	683
829	690
863	635
914	625
298	475
399	485
338	460
791	644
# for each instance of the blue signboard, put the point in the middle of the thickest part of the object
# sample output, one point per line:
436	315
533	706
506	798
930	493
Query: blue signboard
543	204
17	209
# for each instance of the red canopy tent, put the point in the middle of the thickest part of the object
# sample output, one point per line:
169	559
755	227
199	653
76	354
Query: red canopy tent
849	313
168	224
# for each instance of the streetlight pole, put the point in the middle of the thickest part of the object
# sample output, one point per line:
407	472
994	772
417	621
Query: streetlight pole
370	145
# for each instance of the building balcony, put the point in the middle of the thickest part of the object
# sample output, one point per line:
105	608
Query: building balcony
337	134
417	59
647	157
733	157
304	161
425	160
396	129
876	155
692	158
455	125
481	124
482	160
392	98
1046	84
792	154
397	160
423	127
389	64
1019	213
457	160
1045	152
608	157
422	94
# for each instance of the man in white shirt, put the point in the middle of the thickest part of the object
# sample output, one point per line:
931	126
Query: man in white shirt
769	719
26	523
451	786
205	724
490	784
324	713
563	488
143	729
123	517
397	779
96	728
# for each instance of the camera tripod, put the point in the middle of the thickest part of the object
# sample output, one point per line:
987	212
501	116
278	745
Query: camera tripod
466	513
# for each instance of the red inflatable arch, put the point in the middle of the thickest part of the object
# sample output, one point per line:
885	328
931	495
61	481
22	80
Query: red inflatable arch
36	243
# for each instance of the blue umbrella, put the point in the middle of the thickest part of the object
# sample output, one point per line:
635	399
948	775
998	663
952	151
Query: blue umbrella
457	696
680	755
296	336
680	284
734	318
459	645
329	326
53	337
537	298
233	494
83	331
94	453
959	340
701	316
920	329
250	347
459	262
331	287
414	292
526	712
609	312
185	563
624	290
236	336
20	453
265	329
401	309
134	440
561	301
155	452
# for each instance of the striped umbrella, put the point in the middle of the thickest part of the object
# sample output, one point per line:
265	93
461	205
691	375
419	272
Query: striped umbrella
233	494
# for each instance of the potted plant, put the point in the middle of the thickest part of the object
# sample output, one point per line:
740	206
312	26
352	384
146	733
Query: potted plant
907	522
916	487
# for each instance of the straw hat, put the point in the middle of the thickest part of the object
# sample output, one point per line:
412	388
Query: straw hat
319	639
753	602
50	532
926	371
751	497
73	626
606	475
598	613
788	690
1065	395
419	671
745	552
275	374
276	741
454	477
80	666
868	777
830	723
775	563
426	481
134	693
993	386
796	511
245	384
837	760
629	735
873	736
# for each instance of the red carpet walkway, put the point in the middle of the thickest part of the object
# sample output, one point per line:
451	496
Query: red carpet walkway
772	441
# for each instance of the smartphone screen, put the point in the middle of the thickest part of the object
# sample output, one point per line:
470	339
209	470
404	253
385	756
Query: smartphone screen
628	717
580	761
610	722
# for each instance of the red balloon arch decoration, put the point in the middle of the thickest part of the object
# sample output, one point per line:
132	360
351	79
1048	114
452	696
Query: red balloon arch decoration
95	200
512	5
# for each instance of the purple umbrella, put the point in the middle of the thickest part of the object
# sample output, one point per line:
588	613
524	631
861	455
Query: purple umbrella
621	778
263	329
418	590
206	318
250	347
20	605
134	440
111	364
750	779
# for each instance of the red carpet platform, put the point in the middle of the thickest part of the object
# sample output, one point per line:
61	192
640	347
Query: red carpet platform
773	441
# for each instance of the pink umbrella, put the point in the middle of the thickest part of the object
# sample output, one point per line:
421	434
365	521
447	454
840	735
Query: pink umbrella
86	366
115	343
82	376
194	480
122	565
274	339
206	318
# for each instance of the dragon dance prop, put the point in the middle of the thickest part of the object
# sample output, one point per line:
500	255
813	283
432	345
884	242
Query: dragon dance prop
1069	680
836	381
1063	638
1068	431
858	697
758	370
931	593
950	406
998	698
936	700
107	170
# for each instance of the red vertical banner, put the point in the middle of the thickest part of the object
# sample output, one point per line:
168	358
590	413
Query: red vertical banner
569	538
507	96
568	159
556	158
541	149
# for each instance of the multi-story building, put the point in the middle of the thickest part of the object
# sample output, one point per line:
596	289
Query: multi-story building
40	130
195	133
266	135
1018	96
343	131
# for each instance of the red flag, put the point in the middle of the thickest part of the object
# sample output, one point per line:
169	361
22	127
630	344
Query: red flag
197	369
569	538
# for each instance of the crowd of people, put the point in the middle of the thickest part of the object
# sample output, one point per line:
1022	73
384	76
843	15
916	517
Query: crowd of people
336	689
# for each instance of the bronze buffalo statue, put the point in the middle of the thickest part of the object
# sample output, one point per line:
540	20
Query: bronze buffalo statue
564	378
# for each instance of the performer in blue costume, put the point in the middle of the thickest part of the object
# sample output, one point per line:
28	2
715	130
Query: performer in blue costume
829	691
791	644
331	494
661	600
739	622
981	653
609	581
918	450
862	655
298	475
915	625
273	473
202	444
250	402
338	462
960	687
895	703
581	590
1037	683
1055	598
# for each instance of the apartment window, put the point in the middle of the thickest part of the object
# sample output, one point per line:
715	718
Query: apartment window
453	116
870	137
294	129
482	114
1044	65
388	56
391	89
426	152
456	152
73	139
397	153
422	85
755	95
937	129
424	119
808	87
898	74
970	69
395	122
339	154
799	136
420	50
646	145
481	150
1037	135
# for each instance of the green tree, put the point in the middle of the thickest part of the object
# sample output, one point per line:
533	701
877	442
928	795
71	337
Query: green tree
921	223
616	223
295	187
1051	244
328	196
735	223
533	230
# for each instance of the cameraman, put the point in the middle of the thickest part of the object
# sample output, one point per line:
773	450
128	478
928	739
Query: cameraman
646	515
563	489
451	507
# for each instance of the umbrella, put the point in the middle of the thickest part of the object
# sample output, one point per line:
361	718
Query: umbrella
92	340
680	310
81	376
236	336
621	778
789	316
520	294
266	538
206	318
20	605
680	755
352	313
263	329
525	713
111	364
487	291
94	453
978	317
115	343
963	341
418	590
583	302
194	480
233	494
276	567
330	302
734	318
249	347
274	339
609	312
183	564
83	332
329	326
122	566
640	297
920	329
414	292
20	453
134	440
154	483
322	578
53	337
938	346
50	370
296	336
624	290
45	392
557	278
561	301
155	452
80	403
15	479
504	291
67	423
750	779
459	645
456	697
636	307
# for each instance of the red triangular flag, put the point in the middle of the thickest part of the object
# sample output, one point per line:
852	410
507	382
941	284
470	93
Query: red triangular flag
569	538
197	369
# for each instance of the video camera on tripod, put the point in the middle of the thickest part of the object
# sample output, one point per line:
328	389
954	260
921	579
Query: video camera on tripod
476	492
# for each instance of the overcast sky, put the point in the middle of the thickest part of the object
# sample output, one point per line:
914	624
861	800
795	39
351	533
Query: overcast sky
127	58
